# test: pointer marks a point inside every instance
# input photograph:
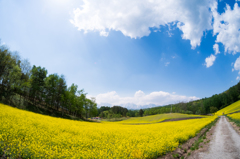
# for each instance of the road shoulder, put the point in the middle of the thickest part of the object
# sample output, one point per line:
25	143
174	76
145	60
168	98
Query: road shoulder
193	146
204	144
236	128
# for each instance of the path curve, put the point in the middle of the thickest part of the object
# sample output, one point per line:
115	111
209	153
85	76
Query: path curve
225	143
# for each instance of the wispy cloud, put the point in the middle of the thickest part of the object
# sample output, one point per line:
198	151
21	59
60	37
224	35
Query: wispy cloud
167	63
216	49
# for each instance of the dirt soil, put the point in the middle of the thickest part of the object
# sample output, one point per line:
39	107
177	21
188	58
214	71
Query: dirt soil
224	144
177	119
167	120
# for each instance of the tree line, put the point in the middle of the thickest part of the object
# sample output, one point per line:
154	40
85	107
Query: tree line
203	106
25	86
118	112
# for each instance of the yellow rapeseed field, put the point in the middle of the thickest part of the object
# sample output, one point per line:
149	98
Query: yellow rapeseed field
31	135
235	116
229	109
157	118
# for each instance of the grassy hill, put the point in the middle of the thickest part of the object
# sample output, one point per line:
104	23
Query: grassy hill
202	106
159	118
235	107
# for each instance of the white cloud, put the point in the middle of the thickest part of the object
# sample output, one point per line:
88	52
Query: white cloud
237	78
216	49
104	33
167	63
210	60
135	18
141	99
170	34
237	65
227	27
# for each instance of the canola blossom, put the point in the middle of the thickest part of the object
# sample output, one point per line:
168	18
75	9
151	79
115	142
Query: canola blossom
235	116
229	109
29	135
158	118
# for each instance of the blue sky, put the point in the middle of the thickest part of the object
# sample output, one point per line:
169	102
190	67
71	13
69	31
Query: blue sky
142	54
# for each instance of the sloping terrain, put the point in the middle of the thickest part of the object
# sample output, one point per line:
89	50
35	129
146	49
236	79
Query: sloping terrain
159	118
29	135
235	107
235	116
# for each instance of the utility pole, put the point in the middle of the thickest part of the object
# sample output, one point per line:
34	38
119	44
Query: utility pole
171	108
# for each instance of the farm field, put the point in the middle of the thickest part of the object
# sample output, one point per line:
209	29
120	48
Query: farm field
31	135
158	118
235	116
235	107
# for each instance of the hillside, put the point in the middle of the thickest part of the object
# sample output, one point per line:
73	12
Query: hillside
235	107
202	106
32	88
159	118
43	136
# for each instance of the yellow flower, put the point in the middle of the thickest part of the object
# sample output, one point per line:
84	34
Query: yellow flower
39	136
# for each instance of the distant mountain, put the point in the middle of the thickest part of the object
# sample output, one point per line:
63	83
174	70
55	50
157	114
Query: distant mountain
131	106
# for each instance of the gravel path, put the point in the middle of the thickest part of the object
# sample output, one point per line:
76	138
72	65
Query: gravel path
225	143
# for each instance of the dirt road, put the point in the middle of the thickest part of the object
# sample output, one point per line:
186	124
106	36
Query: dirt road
225	143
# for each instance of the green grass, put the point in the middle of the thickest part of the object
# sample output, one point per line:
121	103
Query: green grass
115	119
175	155
235	107
156	118
201	138
237	121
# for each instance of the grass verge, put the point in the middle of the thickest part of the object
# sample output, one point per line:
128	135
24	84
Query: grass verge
203	136
236	121
186	148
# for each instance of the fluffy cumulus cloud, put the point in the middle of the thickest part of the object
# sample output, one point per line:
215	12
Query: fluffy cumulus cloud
237	65
135	18
210	60
227	27
140	99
